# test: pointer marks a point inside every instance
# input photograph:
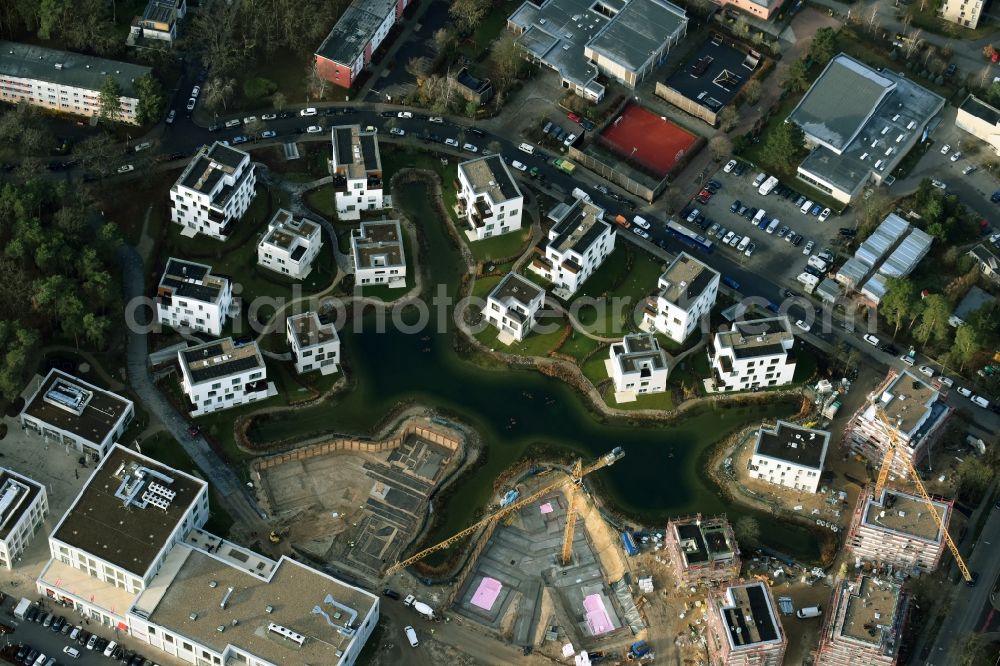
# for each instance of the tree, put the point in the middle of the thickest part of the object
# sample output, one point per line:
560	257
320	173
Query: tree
278	101
255	127
507	66
18	344
720	147
419	68
784	144
468	13
967	344
747	531
899	299
151	102
933	320
797	78
109	101
728	119
752	91
471	108
95	328
443	40
98	154
316	85
741	27
824	45
218	92
216	33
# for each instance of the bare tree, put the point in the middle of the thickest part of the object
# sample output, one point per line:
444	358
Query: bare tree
218	92
752	91
913	43
278	100
468	14
720	147
728	118
316	85
419	68
443	39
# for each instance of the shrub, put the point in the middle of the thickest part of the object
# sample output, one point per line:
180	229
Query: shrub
258	87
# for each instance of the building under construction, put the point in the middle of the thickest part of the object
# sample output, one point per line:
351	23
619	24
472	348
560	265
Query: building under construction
898	529
743	626
916	415
702	550
864	623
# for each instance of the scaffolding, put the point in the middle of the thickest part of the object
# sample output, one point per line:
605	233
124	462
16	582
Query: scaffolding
703	551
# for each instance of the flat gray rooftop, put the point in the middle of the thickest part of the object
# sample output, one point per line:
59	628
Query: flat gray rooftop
489	175
803	446
354	30
517	288
66	68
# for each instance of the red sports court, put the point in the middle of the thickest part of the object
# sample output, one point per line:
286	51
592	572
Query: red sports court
646	139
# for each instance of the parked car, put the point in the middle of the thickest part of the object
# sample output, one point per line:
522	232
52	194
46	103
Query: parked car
803	326
871	339
730	165
572	116
945	381
308	111
519	166
938	184
824	215
269	116
404	114
735	206
750	248
125	168
435	119
950	71
237	140
170	117
926	370
693	215
956	156
639	232
314	129
468	147
807	250
945	148
268	134
728	237
712	229
396	131
190	104
235	122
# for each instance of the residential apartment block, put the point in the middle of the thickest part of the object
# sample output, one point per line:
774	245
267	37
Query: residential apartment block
702	550
219	375
64	81
75	414
580	39
685	293
762	9
159	20
789	455
916	415
753	354
24	505
189	296
637	365
377	253
488	198
213	192
357	172
290	245
131	555
577	245
744	627
864	623
358	33
963	12
988	259
898	529
981	120
315	346
513	305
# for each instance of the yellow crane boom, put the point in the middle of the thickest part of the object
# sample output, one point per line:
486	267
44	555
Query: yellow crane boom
883	476
574	491
604	461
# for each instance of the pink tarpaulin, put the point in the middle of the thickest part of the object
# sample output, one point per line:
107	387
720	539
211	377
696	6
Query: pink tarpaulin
546	508
487	592
597	616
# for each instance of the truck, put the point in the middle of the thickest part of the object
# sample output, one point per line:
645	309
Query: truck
581	194
809	281
22	608
818	264
419	606
768	185
564	165
622	222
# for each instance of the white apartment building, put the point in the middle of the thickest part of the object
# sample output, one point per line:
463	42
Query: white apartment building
159	20
685	293
64	81
357	172
189	296
753	354
213	192
513	306
577	244
219	375
289	246
963	12
897	529
23	506
488	198
130	554
637	365
789	455
77	415
377	253
315	346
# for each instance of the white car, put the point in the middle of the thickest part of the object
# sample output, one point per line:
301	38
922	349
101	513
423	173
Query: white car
314	129
310	111
451	142
945	148
802	326
926	370
570	140
945	381
195	91
268	116
268	134
981	401
470	148
191	103
232	123
249	119
404	114
519	166
956	156
964	391
824	215
435	119
729	237
125	168
693	215
750	248
938	184
907	360
145	145
170	117
397	131
730	165
639	232
807	250
871	339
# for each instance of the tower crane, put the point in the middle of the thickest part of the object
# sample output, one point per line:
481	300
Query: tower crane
579	471
883	476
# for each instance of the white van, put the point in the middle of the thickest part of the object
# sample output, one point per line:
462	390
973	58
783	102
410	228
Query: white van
759	216
640	222
811	611
527	148
771	227
767	186
806	206
71	651
818	264
411	635
743	243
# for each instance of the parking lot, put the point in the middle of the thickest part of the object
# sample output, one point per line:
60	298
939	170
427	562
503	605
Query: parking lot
783	260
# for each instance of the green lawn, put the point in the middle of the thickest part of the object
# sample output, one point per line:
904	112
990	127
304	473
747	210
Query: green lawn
323	201
664	401
619	286
485	285
594	369
536	344
500	247
488	29
579	346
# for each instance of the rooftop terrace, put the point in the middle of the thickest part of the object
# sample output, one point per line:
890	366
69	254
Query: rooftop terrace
220	358
75	406
805	447
309	332
903	513
871	615
685	280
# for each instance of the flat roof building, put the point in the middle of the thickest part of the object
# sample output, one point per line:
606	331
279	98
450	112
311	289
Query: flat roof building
637	366
702	550
315	346
789	455
513	306
220	374
744	626
65	81
576	246
290	245
378	255
356	164
897	529
685	293
489	201
864	624
69	411
621	39
159	20
189	296
981	120
355	37
24	504
753	354
213	192
859	123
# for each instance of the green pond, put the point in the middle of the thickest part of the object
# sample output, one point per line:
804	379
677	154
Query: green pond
659	476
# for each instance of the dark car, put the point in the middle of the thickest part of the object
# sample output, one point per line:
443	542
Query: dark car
330	111
750	212
32	656
813	271
100	644
388	114
735	206
32	613
391	593
730	282
136	660
846	231
476	131
177	156
797	240
889	349
58	623
214	127
22	652
587	125
83	637
952	68
713	186
995	198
